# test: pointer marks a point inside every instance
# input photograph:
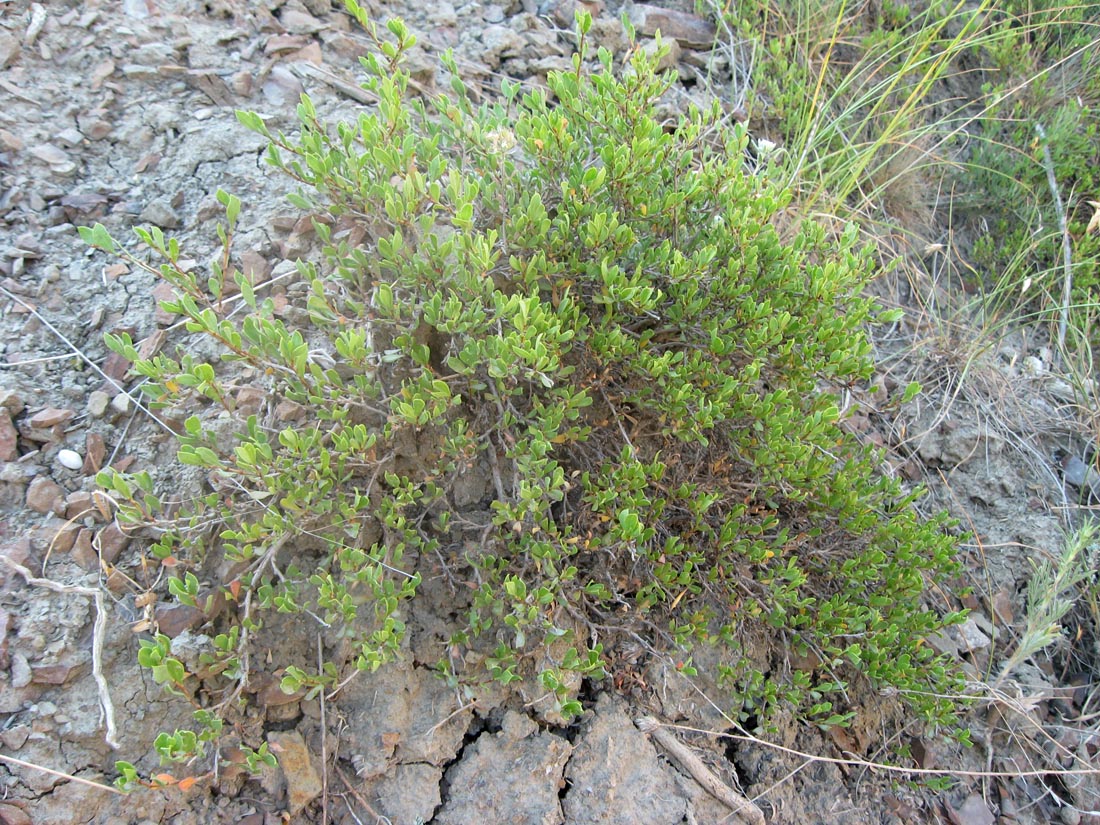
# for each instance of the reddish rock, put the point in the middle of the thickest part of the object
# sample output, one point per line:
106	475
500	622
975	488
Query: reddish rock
118	583
249	400
164	291
300	22
50	417
112	541
688	29
9	439
11	401
290	411
286	43
115	367
272	694
303	784
57	674
12	813
173	619
310	54
45	496
41	435
94	453
255	266
56	536
78	504
83	553
5	626
19	551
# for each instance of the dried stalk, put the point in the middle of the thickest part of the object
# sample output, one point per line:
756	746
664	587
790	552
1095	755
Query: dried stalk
742	807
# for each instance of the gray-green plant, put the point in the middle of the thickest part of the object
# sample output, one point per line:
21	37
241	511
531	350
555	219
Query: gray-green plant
586	310
1052	590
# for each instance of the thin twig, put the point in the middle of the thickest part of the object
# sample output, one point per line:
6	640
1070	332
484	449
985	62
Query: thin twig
882	766
431	731
98	631
324	745
741	806
76	350
358	796
98	785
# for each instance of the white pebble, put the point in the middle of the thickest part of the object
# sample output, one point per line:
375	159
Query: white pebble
70	459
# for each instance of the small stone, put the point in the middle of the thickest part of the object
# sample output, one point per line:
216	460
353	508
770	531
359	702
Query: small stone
95	450
1002	607
16	737
498	43
974	811
70	459
272	693
20	671
290	411
444	14
50	417
68	138
301	22
9	49
83	553
112	541
249	400
57	159
689	29
44	496
10	142
303	785
282	87
972	636
79	504
241	83
121	404
9	439
163	292
138	9
56	535
174	619
18	551
492	14
563	12
671	56
11	401
255	266
57	674
277	714
309	54
118	583
160	213
97	403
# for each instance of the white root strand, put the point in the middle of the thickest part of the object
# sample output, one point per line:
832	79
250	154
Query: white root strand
98	631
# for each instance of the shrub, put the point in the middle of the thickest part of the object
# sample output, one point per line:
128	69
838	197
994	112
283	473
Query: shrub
558	352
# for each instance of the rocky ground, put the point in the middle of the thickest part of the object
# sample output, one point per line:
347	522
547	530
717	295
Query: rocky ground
123	113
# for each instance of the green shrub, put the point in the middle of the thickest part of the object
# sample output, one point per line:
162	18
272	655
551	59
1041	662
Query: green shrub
584	313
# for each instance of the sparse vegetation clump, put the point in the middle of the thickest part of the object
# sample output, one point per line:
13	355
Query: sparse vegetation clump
556	352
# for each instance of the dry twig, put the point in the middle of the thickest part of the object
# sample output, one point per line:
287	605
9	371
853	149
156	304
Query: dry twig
742	807
88	782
